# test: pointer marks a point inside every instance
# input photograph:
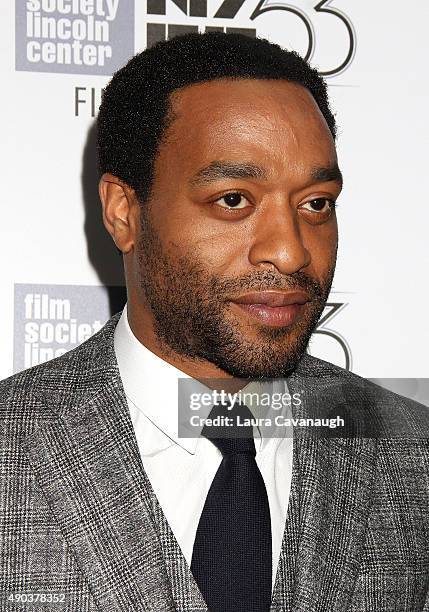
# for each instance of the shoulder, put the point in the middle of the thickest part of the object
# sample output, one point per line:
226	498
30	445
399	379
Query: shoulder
381	410
60	381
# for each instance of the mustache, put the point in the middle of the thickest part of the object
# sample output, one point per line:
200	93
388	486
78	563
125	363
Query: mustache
265	280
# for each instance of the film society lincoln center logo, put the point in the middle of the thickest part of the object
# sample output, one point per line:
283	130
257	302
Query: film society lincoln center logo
74	36
52	319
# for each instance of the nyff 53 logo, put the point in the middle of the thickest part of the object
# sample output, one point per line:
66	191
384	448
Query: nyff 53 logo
320	32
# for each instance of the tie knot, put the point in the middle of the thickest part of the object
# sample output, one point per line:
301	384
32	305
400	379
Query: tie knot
230	430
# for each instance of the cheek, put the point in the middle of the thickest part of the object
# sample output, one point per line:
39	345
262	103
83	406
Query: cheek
223	253
218	248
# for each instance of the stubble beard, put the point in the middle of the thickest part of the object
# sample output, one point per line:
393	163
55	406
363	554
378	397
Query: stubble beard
190	312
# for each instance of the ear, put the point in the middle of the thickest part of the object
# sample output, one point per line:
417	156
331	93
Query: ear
120	211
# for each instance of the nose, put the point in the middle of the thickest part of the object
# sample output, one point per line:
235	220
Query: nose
277	239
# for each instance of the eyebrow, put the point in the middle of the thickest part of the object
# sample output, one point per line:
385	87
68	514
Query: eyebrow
325	175
217	170
223	169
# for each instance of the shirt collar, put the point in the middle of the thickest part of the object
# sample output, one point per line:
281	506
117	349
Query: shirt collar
151	385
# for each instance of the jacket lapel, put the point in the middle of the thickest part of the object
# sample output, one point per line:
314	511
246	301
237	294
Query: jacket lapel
286	570
186	594
334	479
86	460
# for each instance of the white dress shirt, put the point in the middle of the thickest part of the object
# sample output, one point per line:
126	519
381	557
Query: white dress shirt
181	469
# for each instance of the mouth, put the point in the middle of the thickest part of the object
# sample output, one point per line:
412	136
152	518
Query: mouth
273	308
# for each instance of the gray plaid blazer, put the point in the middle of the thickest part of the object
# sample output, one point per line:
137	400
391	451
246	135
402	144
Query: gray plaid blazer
78	515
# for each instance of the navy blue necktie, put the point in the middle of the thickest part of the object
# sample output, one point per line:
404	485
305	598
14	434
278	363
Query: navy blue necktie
232	554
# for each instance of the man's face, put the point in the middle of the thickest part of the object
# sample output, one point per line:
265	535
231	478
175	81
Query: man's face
241	204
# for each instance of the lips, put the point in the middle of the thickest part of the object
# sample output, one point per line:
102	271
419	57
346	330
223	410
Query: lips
273	298
273	308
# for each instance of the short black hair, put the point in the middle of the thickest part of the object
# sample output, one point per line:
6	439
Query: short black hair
135	107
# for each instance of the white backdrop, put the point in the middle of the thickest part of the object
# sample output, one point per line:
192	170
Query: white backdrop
56	55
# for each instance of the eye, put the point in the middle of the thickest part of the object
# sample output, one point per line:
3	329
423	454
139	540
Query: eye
319	205
232	201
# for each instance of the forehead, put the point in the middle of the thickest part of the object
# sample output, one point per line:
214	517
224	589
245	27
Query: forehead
275	119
